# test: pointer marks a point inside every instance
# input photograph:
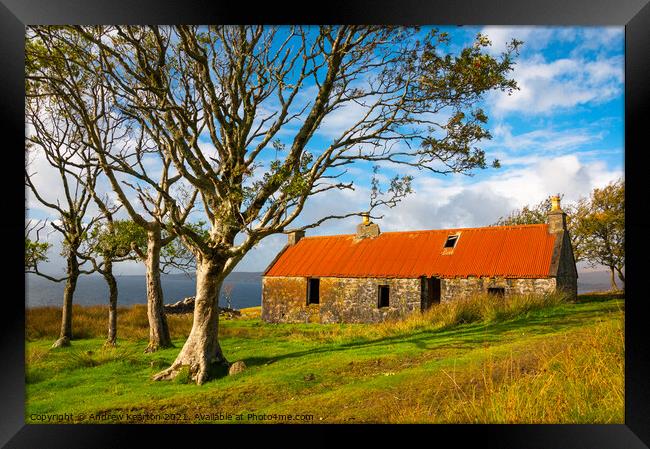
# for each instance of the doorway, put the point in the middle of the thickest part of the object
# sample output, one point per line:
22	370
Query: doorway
430	292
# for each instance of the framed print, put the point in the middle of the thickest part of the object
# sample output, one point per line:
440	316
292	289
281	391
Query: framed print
379	213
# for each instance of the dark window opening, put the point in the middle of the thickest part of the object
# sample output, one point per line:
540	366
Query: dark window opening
313	291
451	241
497	291
384	295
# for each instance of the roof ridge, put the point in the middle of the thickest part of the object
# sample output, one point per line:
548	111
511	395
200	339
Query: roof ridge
434	230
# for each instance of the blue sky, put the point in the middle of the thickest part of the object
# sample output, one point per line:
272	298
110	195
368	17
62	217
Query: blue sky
562	132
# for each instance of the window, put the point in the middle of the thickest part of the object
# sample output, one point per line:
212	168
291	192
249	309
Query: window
451	241
497	291
313	291
384	295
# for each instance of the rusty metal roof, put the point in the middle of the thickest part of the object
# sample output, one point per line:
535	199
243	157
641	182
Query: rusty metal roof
522	251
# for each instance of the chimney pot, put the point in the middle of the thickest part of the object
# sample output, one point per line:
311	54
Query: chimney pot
555	203
556	216
367	228
294	237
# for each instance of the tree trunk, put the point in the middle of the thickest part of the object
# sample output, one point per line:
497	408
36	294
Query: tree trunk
66	316
112	302
201	350
159	336
621	276
612	279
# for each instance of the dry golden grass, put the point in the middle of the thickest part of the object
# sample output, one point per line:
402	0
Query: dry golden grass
476	308
560	363
92	322
251	312
579	377
132	324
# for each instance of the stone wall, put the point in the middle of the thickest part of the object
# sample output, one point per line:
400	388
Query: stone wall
342	300
460	288
284	300
355	300
567	274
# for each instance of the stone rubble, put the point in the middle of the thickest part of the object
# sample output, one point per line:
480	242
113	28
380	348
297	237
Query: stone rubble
187	306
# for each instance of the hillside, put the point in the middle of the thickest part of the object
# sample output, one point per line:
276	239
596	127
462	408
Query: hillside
562	363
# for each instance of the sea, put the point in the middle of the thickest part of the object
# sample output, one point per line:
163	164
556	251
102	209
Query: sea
92	290
246	289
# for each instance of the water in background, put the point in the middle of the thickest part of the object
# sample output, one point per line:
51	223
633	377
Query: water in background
92	290
246	292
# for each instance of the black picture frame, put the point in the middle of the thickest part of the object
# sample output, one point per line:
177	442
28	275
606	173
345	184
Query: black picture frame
633	14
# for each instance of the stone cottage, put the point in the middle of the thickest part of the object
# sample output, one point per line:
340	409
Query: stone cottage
371	276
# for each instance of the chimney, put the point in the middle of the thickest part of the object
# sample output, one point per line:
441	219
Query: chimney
367	228
294	237
556	216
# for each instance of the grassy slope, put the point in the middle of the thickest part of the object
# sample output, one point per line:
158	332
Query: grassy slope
560	364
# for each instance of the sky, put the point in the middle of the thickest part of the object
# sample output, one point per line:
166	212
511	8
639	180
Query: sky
561	132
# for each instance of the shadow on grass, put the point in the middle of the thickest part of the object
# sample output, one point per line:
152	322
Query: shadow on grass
595	297
464	336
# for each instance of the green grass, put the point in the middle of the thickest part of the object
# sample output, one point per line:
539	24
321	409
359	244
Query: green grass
555	362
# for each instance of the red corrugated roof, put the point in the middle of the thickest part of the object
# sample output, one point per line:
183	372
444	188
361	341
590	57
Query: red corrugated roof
506	251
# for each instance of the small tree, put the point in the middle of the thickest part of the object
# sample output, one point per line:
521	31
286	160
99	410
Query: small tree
55	138
59	65
227	294
601	224
112	240
538	214
535	214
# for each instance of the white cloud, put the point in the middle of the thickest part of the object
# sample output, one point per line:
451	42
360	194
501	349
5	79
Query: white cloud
438	204
585	74
534	38
533	146
560	84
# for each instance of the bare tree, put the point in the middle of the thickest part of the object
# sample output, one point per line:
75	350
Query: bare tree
227	294
56	60
55	138
251	92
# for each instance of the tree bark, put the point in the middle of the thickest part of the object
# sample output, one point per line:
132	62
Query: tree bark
68	293
621	276
612	279
159	336
111	340
201	350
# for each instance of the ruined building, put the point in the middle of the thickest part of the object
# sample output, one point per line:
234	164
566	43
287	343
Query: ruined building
371	276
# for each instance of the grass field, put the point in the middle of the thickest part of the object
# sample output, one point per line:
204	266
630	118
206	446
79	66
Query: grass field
529	361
